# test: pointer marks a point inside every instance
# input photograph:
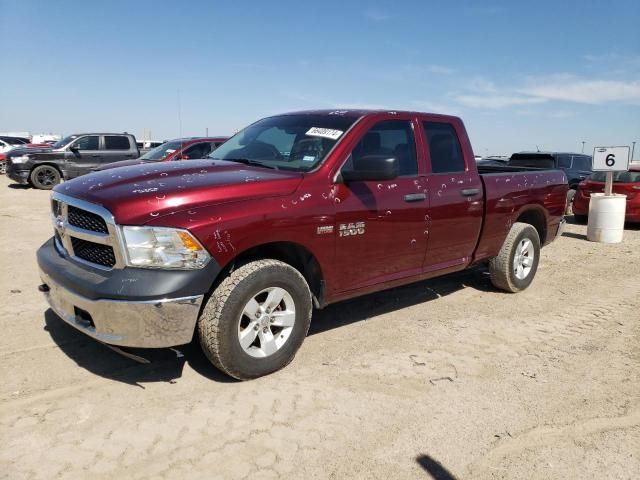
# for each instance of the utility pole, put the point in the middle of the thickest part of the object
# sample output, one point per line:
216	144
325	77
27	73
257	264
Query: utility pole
633	148
583	146
207	135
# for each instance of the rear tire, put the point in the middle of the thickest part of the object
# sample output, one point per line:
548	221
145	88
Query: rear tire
580	218
44	177
256	319
515	266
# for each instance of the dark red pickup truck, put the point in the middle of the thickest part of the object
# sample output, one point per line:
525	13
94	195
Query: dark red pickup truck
294	211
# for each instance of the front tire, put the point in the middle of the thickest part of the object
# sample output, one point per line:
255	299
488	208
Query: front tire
256	319
44	177
516	264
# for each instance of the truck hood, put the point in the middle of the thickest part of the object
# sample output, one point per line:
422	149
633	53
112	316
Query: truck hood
138	194
123	163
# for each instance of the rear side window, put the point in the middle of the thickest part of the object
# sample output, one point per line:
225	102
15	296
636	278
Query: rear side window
582	163
393	138
564	161
444	147
199	150
116	142
91	142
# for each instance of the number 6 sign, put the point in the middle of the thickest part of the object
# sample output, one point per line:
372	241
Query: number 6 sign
611	159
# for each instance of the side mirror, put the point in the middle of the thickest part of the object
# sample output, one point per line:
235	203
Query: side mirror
74	148
371	167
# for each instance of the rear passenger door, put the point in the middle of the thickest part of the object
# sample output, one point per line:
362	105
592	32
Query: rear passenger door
455	199
116	148
380	224
83	155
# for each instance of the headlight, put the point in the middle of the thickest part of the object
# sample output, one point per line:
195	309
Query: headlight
162	247
20	159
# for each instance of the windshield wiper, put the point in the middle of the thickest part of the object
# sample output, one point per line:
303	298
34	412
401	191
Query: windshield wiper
248	161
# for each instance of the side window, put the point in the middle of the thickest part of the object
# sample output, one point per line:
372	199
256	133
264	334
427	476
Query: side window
116	142
90	142
199	150
393	138
444	147
564	161
582	163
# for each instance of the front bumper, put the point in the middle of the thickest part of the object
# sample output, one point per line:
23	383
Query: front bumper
127	307
19	176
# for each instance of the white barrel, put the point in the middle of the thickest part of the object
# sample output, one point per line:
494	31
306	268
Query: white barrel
606	218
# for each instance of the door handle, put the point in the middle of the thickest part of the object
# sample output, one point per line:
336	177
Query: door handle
469	192
415	197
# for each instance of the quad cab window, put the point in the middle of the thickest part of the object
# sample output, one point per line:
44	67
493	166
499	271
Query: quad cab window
444	148
89	142
393	138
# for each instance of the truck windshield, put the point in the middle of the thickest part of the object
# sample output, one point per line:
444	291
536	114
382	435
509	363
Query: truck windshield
64	142
163	151
297	142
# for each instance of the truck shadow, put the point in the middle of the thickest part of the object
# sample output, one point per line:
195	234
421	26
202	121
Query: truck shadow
379	303
166	365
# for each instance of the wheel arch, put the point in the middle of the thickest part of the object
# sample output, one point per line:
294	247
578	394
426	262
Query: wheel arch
534	216
294	254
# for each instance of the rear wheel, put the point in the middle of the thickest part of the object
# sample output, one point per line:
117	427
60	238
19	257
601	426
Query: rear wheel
44	177
515	266
256	320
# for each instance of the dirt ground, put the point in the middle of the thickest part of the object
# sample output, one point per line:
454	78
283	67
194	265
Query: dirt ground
443	379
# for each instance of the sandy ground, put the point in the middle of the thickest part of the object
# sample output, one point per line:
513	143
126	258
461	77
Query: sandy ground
442	379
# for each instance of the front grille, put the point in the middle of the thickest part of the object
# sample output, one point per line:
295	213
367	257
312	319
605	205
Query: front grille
86	220
93	252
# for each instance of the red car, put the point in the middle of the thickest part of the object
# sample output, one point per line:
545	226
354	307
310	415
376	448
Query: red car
627	183
179	149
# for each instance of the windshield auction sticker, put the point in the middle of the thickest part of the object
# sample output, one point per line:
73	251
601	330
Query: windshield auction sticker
324	133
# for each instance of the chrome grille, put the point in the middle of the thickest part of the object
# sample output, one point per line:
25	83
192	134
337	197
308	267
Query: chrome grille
93	252
86	232
87	220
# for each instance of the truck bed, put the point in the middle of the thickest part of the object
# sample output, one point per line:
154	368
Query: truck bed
508	192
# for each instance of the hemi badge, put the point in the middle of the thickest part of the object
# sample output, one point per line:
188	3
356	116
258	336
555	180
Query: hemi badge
325	229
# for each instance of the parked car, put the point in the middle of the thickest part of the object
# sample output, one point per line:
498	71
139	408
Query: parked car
3	164
14	140
295	211
179	149
492	161
577	167
627	183
68	158
6	146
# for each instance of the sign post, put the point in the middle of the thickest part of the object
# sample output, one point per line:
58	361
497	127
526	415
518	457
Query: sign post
607	210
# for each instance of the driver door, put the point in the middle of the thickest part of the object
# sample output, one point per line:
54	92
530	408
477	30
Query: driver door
83	155
380	225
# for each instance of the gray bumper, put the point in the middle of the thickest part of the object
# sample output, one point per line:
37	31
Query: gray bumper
145	324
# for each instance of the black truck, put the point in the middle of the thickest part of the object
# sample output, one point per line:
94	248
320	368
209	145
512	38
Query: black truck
68	158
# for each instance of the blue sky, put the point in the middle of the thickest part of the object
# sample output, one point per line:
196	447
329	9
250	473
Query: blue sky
521	74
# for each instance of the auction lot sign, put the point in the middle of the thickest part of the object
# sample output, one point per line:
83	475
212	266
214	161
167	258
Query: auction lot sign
611	159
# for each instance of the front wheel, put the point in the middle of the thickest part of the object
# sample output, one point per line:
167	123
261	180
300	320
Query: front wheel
256	320
44	177
516	264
